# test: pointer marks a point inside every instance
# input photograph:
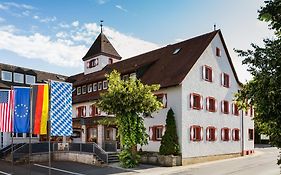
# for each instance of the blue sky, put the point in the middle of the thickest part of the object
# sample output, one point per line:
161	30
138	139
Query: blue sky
54	35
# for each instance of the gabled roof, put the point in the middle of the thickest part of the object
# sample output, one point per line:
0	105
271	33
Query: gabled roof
101	46
162	66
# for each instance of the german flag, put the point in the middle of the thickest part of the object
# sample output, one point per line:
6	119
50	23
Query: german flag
40	108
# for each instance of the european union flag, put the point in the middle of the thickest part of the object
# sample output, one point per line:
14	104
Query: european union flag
22	110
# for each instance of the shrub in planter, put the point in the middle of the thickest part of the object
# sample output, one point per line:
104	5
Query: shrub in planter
169	143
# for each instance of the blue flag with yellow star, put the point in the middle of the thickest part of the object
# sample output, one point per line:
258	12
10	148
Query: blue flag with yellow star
22	110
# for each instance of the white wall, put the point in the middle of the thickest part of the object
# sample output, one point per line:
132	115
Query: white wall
103	61
193	83
159	117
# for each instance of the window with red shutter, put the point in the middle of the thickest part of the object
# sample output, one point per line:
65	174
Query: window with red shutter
156	132
235	110
211	104
225	107
207	73
218	52
81	111
225	132
196	133
235	134
196	101
211	133
251	134
225	80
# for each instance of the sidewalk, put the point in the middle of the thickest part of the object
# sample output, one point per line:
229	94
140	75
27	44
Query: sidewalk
156	170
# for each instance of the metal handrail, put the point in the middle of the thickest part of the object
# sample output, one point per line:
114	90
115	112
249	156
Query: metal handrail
100	152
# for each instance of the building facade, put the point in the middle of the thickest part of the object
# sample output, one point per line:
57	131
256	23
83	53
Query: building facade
197	80
18	76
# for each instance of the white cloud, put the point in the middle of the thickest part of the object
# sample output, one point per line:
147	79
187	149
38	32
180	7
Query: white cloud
19	6
63	25
38	46
69	47
121	8
45	20
3	7
8	28
35	17
75	23
48	19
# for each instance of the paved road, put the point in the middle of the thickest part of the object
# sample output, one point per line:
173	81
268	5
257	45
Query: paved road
262	164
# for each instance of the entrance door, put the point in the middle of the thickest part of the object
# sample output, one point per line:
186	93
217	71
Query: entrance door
92	134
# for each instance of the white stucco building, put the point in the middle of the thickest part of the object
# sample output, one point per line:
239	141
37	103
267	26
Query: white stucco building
198	81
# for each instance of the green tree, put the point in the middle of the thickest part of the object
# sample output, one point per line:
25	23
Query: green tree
128	100
264	90
169	143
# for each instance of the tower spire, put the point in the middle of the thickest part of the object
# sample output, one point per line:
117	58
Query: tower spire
101	21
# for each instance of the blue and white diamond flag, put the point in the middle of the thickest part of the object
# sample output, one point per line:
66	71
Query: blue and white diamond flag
61	109
22	110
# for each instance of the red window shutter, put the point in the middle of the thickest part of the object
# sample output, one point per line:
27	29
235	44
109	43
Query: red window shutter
201	133
191	133
150	133
153	133
191	101
77	112
201	102
203	72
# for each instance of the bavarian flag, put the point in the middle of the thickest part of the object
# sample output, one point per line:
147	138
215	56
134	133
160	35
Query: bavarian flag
40	108
61	109
22	110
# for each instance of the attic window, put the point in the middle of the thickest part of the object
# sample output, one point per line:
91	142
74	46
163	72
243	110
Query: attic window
176	51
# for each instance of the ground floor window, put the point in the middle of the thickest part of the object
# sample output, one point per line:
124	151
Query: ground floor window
235	134
225	132
211	134
156	132
196	133
251	134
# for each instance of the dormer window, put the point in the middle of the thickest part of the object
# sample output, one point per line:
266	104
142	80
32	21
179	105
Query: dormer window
84	89
78	90
110	60
93	63
90	88
100	86
18	78
6	75
95	87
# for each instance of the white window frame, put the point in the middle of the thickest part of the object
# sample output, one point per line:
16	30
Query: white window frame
105	84
90	88
84	89
30	76
79	90
100	86
8	72
18	74
95	87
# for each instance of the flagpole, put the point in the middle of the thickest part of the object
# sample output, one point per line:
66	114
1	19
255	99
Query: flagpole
49	129
30	130
12	116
